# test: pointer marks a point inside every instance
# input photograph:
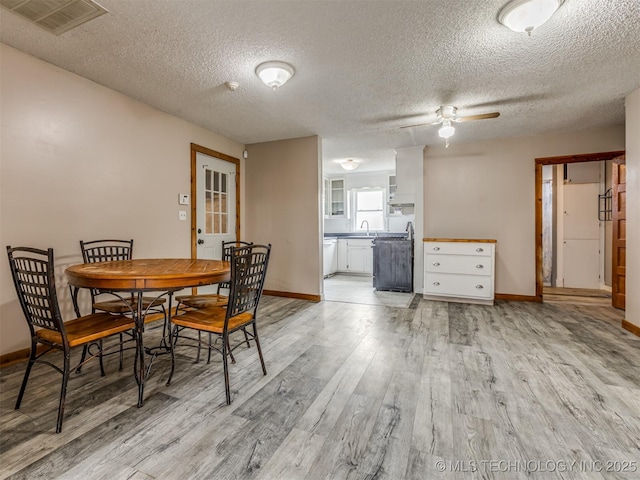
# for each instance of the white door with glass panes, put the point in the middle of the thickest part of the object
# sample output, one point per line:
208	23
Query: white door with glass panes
215	207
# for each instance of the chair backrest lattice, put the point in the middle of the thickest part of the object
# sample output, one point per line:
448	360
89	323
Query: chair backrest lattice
227	249
106	250
33	275
248	272
96	251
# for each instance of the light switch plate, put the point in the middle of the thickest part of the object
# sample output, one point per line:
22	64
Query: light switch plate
182	215
183	199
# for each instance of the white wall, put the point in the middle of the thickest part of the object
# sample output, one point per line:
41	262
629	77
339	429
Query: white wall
80	161
487	190
632	314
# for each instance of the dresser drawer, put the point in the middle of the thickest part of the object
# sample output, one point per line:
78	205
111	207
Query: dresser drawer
463	264
452	285
458	248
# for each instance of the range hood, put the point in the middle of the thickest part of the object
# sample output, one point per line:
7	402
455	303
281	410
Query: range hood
402	200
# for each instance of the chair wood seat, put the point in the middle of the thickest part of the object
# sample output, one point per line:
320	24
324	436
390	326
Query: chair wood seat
211	320
88	329
33	273
248	271
127	305
204	300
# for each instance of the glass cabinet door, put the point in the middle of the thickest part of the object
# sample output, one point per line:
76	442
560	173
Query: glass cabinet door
337	197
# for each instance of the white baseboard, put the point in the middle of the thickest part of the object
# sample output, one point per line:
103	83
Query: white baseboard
604	287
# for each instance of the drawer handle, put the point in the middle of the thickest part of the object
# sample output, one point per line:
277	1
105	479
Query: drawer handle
479	266
436	264
436	248
479	287
436	283
479	249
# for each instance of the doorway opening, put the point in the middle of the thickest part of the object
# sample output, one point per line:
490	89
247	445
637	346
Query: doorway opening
575	245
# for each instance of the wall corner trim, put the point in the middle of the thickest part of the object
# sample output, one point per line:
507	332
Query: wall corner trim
299	296
630	327
518	298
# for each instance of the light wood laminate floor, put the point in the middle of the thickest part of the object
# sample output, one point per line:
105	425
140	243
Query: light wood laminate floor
436	390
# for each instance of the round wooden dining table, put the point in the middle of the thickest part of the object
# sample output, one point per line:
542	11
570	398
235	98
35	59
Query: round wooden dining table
162	275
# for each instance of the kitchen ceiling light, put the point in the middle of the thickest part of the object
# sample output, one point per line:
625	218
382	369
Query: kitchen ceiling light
526	15
349	164
274	74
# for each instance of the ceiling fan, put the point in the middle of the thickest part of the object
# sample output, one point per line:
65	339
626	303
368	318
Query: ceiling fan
448	114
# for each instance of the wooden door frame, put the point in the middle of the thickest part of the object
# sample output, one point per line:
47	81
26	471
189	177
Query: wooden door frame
615	185
539	162
195	149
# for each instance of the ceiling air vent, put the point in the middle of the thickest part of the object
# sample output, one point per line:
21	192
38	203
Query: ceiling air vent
55	16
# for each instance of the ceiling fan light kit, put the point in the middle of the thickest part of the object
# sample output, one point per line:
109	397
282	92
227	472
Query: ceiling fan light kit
527	15
447	130
448	114
274	74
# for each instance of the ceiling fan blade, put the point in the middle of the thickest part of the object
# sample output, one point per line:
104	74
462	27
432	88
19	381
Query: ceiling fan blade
482	116
420	125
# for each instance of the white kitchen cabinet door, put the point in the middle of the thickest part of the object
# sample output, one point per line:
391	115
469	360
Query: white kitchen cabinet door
356	260
360	259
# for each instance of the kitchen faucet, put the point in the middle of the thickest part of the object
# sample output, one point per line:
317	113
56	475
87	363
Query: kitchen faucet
367	222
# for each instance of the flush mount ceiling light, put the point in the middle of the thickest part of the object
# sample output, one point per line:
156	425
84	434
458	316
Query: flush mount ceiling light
274	74
349	164
526	15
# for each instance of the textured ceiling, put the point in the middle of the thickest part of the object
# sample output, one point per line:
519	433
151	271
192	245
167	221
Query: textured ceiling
363	68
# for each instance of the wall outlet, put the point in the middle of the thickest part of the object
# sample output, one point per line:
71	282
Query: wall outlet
182	215
183	198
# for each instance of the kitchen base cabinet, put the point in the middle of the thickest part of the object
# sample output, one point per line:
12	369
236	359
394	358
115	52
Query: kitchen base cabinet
355	255
393	264
459	270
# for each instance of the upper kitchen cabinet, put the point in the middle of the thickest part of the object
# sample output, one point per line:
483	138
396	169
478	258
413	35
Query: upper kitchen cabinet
334	198
407	179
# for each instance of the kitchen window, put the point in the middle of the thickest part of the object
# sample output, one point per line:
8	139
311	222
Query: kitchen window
369	206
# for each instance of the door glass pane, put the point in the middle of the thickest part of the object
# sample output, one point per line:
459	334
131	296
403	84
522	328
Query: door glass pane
216	202
224	223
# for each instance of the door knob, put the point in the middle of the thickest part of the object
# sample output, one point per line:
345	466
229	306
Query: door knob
200	241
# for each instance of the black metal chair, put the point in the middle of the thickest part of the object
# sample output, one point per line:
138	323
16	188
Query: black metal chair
190	302
33	276
112	250
212	299
248	272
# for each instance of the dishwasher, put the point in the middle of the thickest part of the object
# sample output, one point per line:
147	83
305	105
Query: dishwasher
393	264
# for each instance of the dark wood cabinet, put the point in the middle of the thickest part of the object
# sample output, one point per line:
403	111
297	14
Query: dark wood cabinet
393	264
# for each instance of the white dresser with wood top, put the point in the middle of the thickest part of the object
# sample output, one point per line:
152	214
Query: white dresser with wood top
459	270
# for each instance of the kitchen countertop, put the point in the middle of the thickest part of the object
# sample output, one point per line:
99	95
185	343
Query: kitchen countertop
371	236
